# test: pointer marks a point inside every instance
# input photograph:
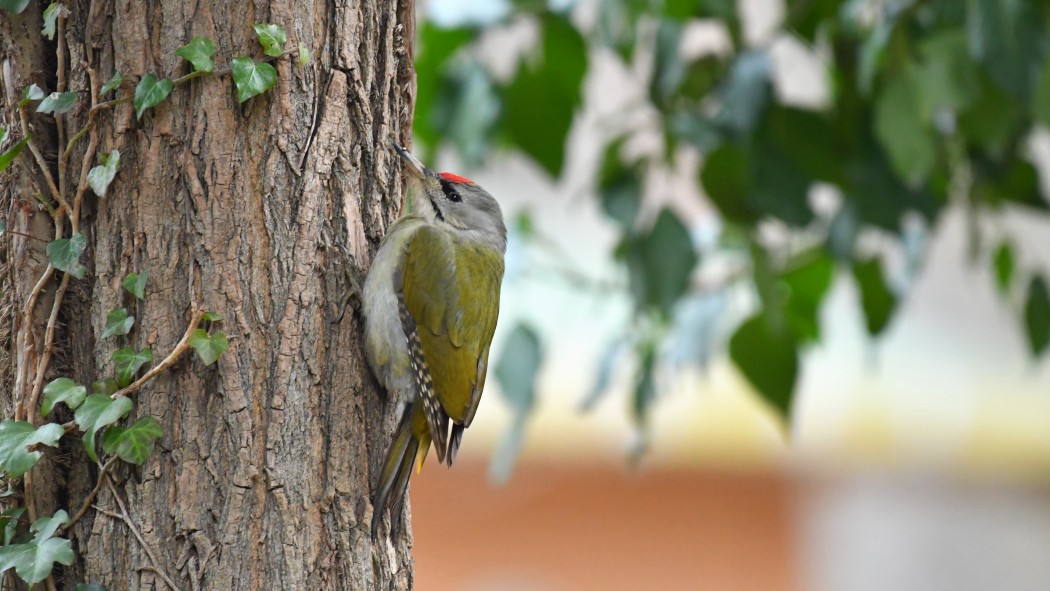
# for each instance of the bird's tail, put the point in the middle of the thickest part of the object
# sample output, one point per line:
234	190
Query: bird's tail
408	450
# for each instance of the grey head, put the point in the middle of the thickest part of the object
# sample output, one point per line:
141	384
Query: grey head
456	203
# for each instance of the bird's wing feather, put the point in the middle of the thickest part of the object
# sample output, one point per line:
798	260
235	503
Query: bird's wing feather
451	289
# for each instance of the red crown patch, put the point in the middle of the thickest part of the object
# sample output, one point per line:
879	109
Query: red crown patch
455	178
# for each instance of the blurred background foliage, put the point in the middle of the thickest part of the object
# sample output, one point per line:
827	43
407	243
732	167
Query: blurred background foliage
930	104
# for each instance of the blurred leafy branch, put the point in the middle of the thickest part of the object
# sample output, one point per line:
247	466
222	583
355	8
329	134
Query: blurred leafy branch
931	105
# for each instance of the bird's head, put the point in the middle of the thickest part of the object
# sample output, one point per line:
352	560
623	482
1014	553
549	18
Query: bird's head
456	202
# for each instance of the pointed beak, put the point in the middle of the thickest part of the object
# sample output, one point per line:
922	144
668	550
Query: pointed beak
414	165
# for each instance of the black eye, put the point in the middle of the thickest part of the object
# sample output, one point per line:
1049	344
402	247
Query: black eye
450	192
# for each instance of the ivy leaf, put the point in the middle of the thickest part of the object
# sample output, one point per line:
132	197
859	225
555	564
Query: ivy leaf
57	102
251	78
118	323
1037	316
62	390
3	227
99	177
34	560
212	317
14	6
16	436
271	37
31	93
767	355
133	444
304	55
198	52
9	522
98	412
64	254
111	84
135	284
105	386
51	14
9	155
126	362
208	348
150	92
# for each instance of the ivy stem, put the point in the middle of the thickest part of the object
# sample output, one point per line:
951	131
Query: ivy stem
168	361
123	516
61	87
41	163
102	475
24	235
49	349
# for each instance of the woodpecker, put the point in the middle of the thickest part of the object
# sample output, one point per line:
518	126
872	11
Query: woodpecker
430	305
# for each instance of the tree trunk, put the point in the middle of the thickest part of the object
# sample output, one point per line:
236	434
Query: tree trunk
265	212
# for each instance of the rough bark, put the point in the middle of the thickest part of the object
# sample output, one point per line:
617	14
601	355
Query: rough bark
262	212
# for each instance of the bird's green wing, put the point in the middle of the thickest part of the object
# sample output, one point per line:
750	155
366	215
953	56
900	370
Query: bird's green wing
451	290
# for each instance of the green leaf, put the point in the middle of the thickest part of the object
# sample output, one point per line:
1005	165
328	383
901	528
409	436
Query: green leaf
57	102
619	186
14	6
304	55
88	587
34	560
135	284
1037	316
118	323
271	37
98	412
3	227
726	177
133	444
1006	37
208	348
9	155
468	110
251	78
807	284
519	362
767	355
9	522
16	436
1003	261
126	362
150	92
212	317
198	52
31	93
99	177
660	263
1041	98
62	390
902	130
64	254
876	298
434	92
746	94
548	92
111	84
105	386
51	14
